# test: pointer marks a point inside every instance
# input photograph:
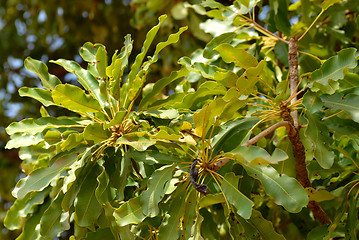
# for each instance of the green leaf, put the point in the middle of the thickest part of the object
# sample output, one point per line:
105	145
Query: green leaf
328	3
168	229
84	77
41	95
206	70
41	178
190	214
33	126
135	77
54	220
254	155
318	132
246	83
151	157
138	140
95	132
325	78
23	140
74	99
239	57
223	38
130	212
23	207
47	80
285	190
119	63
87	208
235	197
211	199
163	114
101	61
348	103
156	190
160	84
30	230
104	192
264	227
88	52
319	195
233	134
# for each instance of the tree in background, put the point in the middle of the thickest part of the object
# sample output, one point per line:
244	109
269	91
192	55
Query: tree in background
173	156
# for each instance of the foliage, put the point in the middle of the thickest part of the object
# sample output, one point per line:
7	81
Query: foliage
147	161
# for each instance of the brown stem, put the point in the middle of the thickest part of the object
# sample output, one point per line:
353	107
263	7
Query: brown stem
265	133
293	74
300	166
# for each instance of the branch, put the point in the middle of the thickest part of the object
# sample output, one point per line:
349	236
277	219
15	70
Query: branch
266	132
262	29
293	74
217	165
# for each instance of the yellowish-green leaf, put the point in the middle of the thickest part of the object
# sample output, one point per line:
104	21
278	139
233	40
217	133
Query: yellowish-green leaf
238	56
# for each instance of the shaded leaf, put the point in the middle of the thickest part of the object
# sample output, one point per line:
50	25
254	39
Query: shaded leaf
41	178
348	103
87	208
319	195
168	229
54	220
264	227
325	78
235	197
155	190
317	131
154	157
285	190
23	207
223	38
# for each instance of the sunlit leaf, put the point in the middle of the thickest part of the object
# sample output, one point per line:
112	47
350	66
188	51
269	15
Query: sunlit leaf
239	57
75	99
33	126
48	81
328	3
84	77
138	140
41	95
254	155
223	38
95	132
130	212
41	178
319	196
285	190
